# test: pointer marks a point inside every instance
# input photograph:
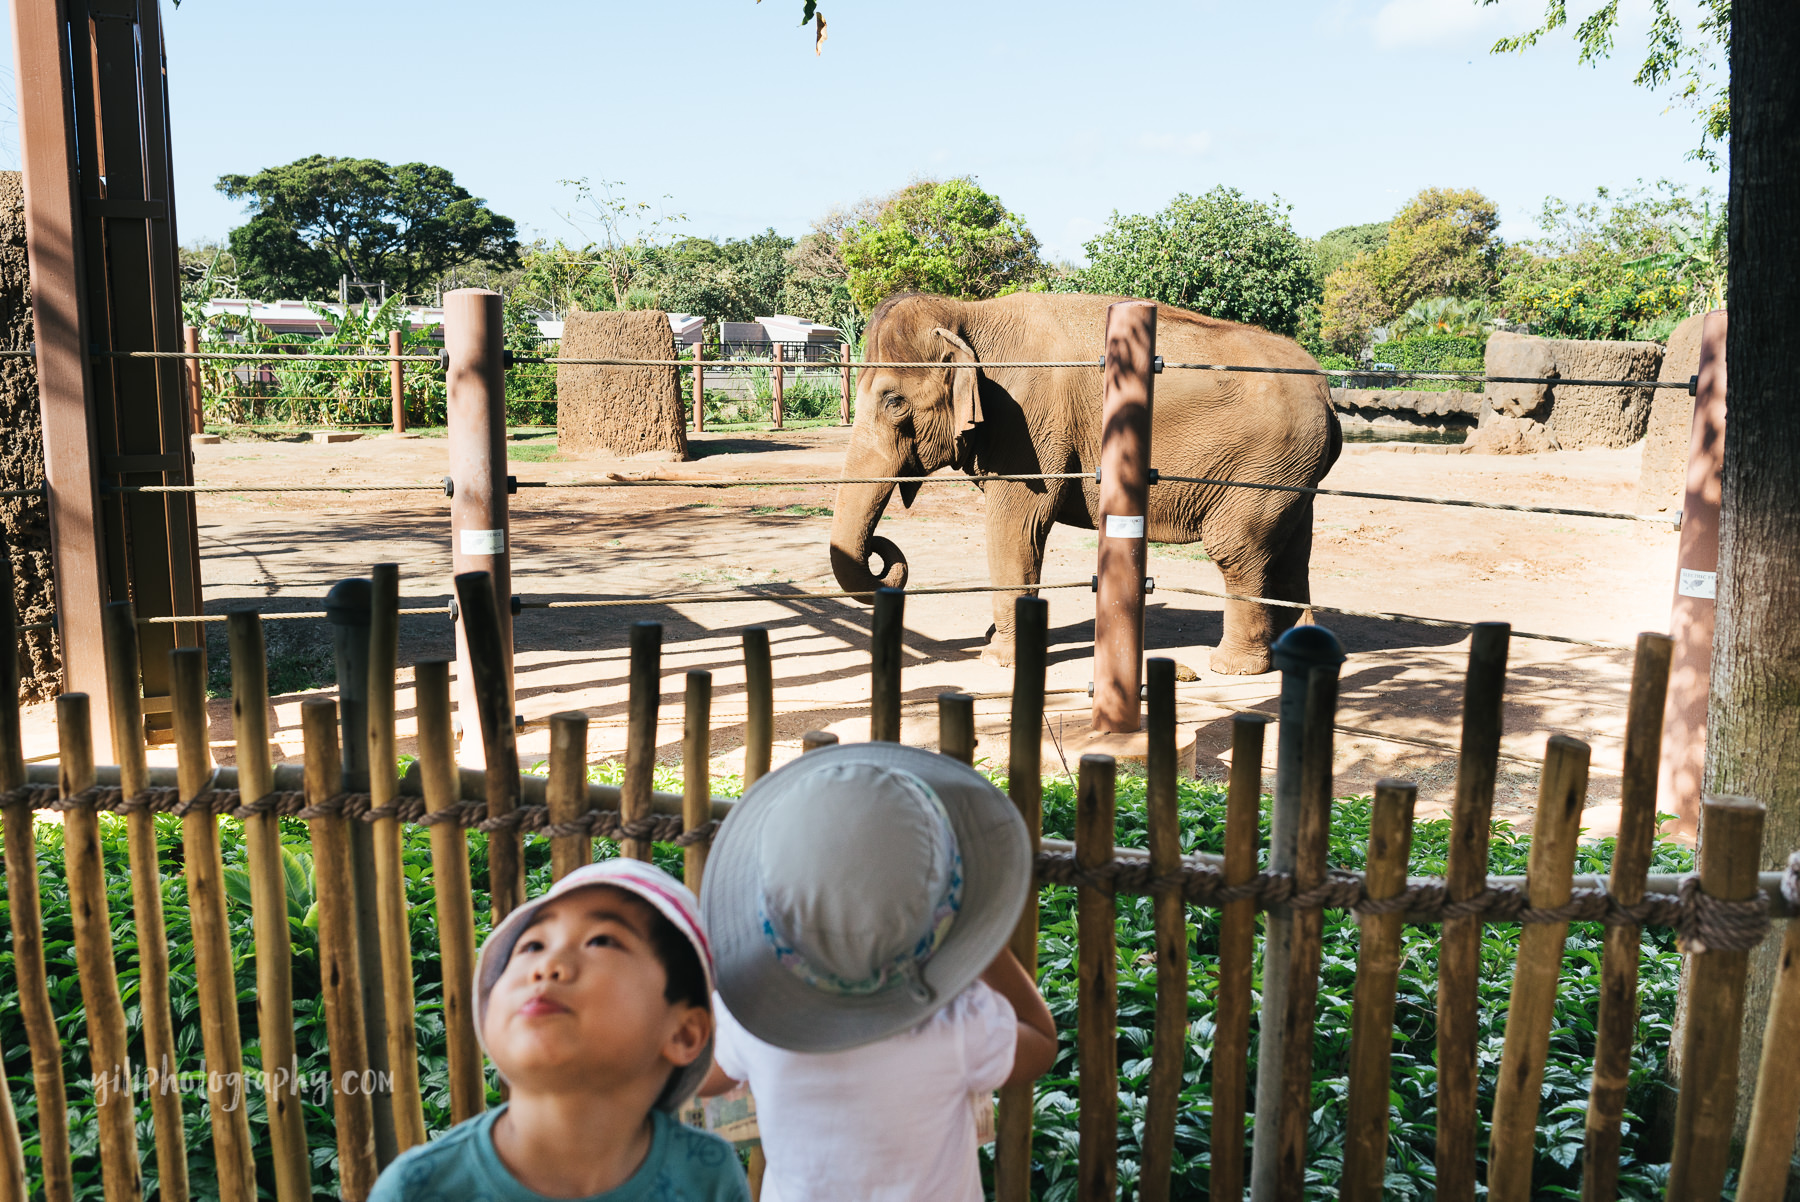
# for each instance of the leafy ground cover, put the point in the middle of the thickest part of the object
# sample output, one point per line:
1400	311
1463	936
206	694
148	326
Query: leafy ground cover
1410	1161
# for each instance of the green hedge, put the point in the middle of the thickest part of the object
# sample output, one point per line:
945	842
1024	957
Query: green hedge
1434	352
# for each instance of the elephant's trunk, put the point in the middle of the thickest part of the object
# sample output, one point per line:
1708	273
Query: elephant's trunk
853	538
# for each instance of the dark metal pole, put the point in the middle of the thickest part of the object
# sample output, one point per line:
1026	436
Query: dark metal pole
347	607
1124	510
884	666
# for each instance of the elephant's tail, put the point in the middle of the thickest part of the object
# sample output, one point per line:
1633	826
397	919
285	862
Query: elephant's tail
1337	439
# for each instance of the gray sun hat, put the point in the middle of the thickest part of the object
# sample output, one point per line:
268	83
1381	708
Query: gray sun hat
857	890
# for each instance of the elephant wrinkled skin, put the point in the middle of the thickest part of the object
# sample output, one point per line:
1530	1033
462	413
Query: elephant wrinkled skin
1272	429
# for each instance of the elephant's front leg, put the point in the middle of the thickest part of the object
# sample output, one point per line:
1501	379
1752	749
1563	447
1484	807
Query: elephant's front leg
1250	628
1018	526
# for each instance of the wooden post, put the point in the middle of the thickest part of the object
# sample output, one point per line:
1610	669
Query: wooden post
1162	806
565	793
956	726
269	911
1459	945
339	970
394	927
26	918
1377	978
490	676
1237	950
1124	509
479	523
1731	830
816	740
190	343
885	658
1096	922
1775	1112
160	1056
844	398
759	697
696	772
1615	1031
397	381
1512	1142
699	385
780	375
450	879
640	735
108	1053
1024	783
1311	863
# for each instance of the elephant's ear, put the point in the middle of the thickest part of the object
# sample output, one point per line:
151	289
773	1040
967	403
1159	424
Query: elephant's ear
965	383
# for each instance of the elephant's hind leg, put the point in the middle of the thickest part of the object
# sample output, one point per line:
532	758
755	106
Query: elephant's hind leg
1250	628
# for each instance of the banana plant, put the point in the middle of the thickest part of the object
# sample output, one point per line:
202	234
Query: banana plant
1697	258
297	883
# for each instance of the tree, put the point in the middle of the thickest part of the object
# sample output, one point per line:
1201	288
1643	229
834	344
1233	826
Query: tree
1337	247
623	232
1673	61
1221	254
321	217
946	237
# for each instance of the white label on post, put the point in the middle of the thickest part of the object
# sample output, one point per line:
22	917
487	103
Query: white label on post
1698	584
1120	526
484	542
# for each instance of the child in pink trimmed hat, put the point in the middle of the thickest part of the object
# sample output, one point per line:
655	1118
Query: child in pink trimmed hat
592	1001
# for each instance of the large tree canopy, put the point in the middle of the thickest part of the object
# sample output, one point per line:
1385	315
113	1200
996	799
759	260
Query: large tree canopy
1221	254
323	217
950	238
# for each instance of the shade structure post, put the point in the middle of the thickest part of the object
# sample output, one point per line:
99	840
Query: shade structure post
397	381
1124	516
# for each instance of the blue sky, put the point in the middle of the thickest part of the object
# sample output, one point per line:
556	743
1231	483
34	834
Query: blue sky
1067	110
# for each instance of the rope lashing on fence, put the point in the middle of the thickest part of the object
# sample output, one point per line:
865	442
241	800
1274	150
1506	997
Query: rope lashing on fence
1614	515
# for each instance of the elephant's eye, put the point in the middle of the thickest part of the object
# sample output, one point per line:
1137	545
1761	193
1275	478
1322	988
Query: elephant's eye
894	401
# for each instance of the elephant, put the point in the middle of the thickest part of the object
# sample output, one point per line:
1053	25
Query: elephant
1264	428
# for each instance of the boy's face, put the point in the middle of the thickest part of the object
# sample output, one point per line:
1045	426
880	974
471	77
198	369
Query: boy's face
580	1004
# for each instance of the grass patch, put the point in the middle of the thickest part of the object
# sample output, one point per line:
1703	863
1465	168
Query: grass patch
532	452
791	511
1189	551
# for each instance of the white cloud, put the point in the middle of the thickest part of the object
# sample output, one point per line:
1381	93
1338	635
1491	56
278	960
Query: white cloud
1187	145
1405	23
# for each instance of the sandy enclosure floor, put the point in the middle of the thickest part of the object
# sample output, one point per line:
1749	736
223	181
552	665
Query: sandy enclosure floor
1584	577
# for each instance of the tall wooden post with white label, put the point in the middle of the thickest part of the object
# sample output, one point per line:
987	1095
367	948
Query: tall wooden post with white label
1124	517
475	384
1691	616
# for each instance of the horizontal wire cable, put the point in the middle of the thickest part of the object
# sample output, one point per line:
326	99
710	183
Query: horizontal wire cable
690	598
753	482
1613	515
1473	377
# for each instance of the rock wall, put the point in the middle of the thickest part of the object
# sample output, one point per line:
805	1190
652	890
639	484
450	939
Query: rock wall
24	519
630	412
1399	408
1662	478
1524	418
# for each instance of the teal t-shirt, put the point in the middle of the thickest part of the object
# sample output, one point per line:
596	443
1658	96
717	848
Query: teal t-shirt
684	1165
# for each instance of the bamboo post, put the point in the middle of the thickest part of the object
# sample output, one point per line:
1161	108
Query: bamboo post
844	396
108	1053
13	1187
956	726
759	698
696	772
339	970
1615	1033
1024	782
1296	653
269	911
1169	1041
1775	1111
491	679
26	917
1311	863
214	972
1372	1012
123	674
780	379
394	926
450	881
1512	1142
1731	831
397	382
640	732
1459	941
1237	951
1096	922
700	385
565	793
884	668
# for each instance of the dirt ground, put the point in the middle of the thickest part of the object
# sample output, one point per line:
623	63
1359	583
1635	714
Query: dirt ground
1402	685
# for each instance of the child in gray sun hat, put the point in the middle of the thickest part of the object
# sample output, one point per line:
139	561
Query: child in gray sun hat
859	903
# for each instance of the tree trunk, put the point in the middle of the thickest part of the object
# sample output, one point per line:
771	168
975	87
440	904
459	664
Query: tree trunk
1753	717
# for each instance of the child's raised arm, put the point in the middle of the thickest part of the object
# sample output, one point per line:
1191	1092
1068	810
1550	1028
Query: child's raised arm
1035	1053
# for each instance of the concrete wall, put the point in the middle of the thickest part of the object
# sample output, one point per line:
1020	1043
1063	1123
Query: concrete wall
24	520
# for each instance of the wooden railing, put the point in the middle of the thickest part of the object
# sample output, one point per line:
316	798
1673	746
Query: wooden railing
365	961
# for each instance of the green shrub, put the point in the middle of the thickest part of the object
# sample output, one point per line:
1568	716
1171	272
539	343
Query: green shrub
1434	352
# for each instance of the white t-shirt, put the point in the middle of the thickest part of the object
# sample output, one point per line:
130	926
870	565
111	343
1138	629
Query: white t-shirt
885	1122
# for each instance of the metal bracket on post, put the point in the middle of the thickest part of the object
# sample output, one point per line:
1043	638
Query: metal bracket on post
1124	478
